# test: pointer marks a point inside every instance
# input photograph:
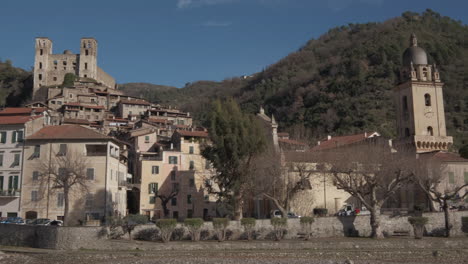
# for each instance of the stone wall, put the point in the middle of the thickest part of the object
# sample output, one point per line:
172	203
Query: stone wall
65	238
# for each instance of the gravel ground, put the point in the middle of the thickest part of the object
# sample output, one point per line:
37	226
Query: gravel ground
333	255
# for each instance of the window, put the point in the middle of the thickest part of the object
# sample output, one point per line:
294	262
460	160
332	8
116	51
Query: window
86	66
155	170
35	175
85	76
64	63
16	162
153	188
40	65
451	176
192	165
55	78
1	159
152	200
96	150
174	201
37	151
90	174
55	62
34	196
172	160
430	131
427	99
191	150
19	136
189	213
13	182
86	52
147	139
191	182
3	136
41	51
1	183
62	150
206	198
60	199
40	77
175	187
466	177
189	199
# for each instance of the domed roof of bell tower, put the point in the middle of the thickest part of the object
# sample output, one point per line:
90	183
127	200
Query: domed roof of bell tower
414	54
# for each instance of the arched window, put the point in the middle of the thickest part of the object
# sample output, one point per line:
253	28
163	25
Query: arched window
430	131
405	104
86	52
427	99
42	51
424	70
407	132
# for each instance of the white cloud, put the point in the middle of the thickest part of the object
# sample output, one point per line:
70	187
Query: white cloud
216	24
197	3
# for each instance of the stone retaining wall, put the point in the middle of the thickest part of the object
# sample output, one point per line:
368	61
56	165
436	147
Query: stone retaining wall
96	237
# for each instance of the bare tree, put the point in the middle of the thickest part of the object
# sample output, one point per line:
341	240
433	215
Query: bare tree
372	173
64	172
165	199
433	180
278	183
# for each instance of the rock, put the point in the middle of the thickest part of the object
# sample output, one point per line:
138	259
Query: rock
436	253
348	261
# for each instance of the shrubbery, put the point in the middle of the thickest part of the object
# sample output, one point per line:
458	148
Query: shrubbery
306	224
220	226
279	227
418	223
249	227
166	227
194	226
320	212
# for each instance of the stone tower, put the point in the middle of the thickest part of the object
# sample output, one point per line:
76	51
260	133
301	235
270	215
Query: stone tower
41	61
88	58
419	103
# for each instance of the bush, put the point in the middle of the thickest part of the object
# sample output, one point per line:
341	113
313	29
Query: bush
320	212
148	234
220	226
249	227
166	227
279	227
194	226
306	223
129	222
69	80
418	223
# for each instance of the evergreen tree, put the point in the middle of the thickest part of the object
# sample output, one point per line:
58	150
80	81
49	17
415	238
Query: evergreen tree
236	138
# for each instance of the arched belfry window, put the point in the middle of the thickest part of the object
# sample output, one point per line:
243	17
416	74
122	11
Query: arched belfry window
430	131
424	70
427	99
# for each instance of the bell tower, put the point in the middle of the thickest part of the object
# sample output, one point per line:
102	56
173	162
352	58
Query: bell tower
420	103
88	58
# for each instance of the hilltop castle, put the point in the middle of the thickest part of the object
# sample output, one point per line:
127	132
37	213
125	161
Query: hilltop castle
50	69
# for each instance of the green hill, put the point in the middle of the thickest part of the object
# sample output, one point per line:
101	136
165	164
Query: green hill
15	84
342	82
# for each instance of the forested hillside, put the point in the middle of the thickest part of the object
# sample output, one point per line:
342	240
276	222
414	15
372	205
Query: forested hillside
15	84
342	82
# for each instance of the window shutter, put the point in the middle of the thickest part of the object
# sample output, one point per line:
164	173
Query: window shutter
466	177
3	137
13	138
10	182
15	182
1	183
20	136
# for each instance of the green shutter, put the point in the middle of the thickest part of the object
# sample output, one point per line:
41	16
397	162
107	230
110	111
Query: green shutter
466	177
10	182
13	139
1	183
3	137
1	160
20	136
15	182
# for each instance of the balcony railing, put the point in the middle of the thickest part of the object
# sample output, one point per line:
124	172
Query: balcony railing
10	193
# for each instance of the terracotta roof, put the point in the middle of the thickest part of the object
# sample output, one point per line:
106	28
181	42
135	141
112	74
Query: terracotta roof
186	133
134	102
335	142
292	142
16	120
158	120
22	110
67	132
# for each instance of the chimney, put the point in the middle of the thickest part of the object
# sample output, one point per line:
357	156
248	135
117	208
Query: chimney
318	143
365	134
172	146
262	111
188	114
329	137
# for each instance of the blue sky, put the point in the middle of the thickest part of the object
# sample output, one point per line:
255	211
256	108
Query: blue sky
173	42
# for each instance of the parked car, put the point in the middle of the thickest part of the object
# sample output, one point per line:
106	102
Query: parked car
12	220
41	221
55	223
278	214
350	210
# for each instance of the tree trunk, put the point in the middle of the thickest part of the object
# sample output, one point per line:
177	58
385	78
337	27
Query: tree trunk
375	222
238	206
66	207
165	209
448	226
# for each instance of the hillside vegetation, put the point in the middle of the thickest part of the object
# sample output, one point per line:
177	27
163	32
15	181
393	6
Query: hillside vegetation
15	84
342	82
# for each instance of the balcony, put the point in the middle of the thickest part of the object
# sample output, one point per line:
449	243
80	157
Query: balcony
10	193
